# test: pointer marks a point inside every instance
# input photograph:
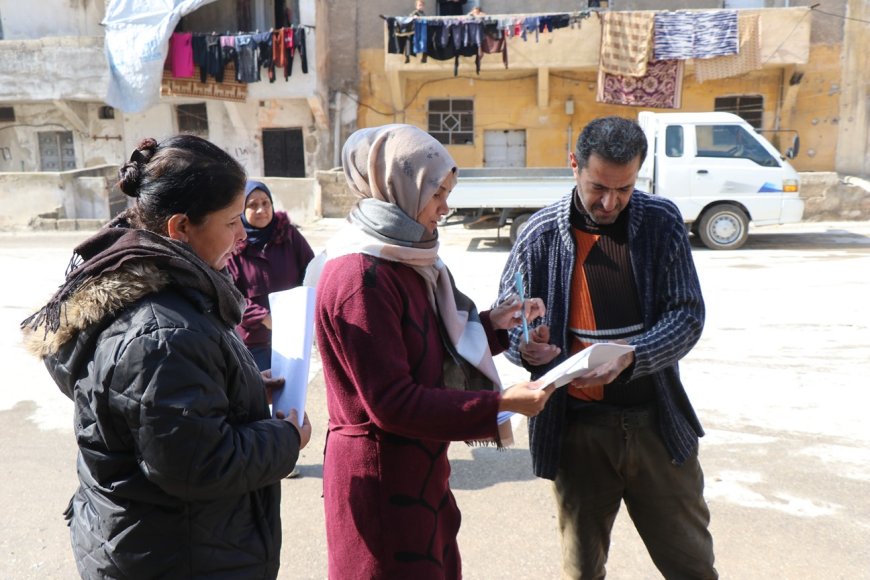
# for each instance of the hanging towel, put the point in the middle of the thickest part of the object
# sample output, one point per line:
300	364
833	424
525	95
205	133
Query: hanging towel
625	43
660	88
715	33
674	35
746	60
704	34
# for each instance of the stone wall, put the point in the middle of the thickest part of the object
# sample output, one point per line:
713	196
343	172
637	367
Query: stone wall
335	199
829	196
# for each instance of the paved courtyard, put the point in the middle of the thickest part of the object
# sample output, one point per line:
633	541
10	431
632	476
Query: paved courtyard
780	381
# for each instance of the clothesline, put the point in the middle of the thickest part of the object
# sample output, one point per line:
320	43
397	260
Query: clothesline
496	16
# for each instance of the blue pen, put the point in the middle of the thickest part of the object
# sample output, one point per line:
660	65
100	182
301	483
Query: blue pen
519	284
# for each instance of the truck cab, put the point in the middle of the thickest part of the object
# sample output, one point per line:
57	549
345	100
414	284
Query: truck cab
721	174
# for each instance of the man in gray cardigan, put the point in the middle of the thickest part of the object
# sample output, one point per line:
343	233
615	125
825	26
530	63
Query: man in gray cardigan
614	264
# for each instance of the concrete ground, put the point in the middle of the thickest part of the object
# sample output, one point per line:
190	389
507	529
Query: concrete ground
779	380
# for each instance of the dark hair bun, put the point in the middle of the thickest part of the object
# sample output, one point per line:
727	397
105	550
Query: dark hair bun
130	174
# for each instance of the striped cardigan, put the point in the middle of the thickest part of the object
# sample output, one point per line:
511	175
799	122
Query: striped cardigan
671	305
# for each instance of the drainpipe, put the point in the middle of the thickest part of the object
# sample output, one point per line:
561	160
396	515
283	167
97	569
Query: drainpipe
336	131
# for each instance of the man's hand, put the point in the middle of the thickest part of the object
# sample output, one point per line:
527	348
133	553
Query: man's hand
603	374
539	351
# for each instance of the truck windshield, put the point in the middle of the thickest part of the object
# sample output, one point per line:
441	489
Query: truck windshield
732	141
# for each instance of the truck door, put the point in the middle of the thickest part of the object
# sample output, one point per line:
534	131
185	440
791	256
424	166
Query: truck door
504	148
732	164
674	158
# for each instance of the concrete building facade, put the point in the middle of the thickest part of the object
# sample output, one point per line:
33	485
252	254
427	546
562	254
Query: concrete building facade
54	79
548	90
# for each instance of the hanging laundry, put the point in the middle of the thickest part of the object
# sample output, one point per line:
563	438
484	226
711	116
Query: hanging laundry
660	88
200	55
494	41
704	34
625	43
747	59
214	64
289	52
299	40
247	70
446	51
228	53
419	42
263	40
715	33
181	55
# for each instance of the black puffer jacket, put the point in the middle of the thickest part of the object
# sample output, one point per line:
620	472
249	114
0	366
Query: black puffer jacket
179	461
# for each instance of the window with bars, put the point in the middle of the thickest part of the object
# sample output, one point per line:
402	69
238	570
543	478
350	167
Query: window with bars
451	121
192	119
750	107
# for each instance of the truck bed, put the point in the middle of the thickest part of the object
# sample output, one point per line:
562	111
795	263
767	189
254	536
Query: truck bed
510	187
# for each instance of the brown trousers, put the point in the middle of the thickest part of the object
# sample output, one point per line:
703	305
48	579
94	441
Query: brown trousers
611	457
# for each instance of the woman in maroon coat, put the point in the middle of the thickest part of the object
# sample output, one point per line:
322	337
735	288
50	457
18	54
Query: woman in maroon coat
272	258
407	362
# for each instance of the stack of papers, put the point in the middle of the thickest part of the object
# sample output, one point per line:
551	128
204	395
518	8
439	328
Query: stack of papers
585	360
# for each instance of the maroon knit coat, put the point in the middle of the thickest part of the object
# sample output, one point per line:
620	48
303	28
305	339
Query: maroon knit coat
389	509
258	271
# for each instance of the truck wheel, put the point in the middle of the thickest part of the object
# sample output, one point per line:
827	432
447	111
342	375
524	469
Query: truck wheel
724	227
518	224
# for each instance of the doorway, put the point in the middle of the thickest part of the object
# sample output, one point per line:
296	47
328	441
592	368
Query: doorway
283	153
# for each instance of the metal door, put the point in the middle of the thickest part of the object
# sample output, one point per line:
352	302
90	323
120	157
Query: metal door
56	151
504	148
283	153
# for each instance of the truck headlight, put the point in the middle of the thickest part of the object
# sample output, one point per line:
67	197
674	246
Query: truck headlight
790	185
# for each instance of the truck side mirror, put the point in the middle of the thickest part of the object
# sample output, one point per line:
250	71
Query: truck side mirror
795	148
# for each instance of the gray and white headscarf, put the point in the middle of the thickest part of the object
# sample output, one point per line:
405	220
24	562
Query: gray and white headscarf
395	170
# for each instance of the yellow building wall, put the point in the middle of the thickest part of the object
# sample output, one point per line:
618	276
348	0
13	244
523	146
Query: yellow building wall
509	100
816	113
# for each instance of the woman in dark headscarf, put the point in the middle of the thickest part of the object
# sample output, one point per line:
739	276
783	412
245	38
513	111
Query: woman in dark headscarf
408	364
271	259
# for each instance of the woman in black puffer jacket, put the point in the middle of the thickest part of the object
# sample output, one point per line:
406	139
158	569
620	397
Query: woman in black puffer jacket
179	462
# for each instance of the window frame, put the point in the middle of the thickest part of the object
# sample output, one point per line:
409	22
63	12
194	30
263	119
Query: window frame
186	112
750	108
457	111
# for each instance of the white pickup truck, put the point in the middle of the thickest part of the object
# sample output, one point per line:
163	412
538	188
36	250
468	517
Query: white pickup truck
719	171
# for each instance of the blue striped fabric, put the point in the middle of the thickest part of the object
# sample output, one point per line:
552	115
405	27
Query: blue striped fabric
684	34
672	308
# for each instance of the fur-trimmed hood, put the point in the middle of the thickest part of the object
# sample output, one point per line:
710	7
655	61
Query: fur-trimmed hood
97	300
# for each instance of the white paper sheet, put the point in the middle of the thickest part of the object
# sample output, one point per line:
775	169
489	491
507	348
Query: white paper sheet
292	338
588	358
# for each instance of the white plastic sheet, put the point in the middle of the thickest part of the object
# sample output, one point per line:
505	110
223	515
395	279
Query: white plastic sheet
137	41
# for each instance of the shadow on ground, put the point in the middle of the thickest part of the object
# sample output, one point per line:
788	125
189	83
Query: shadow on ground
831	239
489	467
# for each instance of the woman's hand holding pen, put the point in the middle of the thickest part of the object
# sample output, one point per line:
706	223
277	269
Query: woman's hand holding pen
525	398
509	313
